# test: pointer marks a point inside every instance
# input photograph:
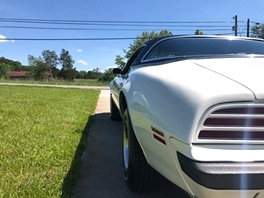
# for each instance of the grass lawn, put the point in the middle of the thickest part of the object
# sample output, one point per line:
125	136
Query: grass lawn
84	82
43	132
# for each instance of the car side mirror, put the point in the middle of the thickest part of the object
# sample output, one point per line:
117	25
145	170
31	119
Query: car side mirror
116	71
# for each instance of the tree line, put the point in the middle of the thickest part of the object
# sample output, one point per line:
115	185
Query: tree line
45	67
95	73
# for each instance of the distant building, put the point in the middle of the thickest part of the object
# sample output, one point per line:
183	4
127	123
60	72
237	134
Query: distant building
21	75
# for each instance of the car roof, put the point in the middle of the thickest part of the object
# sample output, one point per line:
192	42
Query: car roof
152	41
149	44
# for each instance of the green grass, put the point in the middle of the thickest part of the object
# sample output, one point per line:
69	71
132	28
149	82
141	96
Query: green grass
84	82
43	132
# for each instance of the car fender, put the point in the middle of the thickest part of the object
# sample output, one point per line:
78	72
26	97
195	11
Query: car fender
175	101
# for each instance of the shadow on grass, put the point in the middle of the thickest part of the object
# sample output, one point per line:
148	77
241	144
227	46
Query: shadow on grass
72	175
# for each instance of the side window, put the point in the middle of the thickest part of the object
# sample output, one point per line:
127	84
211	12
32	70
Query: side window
135	59
163	49
132	60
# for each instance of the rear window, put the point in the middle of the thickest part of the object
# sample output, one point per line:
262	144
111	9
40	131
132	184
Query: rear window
178	47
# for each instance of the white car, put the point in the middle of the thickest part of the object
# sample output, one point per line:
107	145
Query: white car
193	110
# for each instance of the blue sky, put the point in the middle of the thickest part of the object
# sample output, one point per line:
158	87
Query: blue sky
92	54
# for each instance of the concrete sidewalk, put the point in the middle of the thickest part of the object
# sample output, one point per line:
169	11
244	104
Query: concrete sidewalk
103	104
101	172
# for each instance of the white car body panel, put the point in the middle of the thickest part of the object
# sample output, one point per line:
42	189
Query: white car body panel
175	97
248	72
183	84
189	88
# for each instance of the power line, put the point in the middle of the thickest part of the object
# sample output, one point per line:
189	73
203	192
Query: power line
82	39
198	26
127	25
258	23
100	29
231	33
64	39
165	25
98	22
94	25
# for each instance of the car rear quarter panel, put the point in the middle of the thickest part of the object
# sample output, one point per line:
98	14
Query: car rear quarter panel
172	99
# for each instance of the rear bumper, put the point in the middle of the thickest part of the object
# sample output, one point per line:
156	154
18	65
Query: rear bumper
224	175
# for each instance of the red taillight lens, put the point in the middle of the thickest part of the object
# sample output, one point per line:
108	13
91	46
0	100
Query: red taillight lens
237	122
241	110
238	135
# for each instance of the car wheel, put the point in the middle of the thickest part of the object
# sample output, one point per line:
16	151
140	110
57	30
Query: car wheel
114	112
138	174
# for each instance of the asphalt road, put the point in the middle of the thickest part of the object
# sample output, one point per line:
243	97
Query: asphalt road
61	86
101	174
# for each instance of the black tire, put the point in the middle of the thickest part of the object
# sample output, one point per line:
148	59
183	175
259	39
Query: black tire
114	112
138	174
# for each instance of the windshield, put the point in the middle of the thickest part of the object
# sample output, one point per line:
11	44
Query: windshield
178	47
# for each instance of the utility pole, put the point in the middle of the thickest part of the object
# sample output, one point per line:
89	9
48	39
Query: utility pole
248	21
235	26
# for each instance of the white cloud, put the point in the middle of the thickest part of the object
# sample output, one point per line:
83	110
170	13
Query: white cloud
82	62
2	38
79	50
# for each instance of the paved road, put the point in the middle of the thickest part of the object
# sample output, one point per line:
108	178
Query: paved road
61	86
101	174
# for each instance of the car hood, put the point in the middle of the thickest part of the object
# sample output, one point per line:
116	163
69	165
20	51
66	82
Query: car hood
248	72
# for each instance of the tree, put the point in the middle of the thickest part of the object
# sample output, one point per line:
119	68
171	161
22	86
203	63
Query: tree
107	76
39	68
68	72
51	60
81	74
258	31
26	68
120	61
13	65
94	74
3	70
66	60
198	32
138	42
45	67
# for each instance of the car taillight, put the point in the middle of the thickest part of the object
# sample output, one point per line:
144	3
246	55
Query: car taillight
234	122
